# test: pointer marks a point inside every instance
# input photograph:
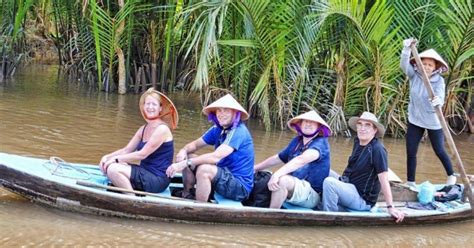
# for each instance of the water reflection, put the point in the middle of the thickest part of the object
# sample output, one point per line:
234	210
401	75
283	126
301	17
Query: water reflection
41	116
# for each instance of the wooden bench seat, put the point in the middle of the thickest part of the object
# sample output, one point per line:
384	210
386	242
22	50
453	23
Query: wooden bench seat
221	200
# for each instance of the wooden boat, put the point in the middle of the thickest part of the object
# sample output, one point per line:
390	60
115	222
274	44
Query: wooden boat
44	182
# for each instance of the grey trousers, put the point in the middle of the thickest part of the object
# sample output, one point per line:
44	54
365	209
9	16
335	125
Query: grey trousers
340	196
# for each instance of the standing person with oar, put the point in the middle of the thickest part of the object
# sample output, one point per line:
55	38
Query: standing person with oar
421	109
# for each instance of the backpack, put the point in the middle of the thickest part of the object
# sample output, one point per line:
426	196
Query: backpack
260	195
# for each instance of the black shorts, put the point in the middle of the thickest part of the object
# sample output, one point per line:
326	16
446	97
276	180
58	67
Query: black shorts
144	180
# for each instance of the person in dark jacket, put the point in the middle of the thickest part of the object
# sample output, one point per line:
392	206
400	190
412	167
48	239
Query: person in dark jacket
366	173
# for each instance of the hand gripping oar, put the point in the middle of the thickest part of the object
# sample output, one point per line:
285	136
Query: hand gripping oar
447	134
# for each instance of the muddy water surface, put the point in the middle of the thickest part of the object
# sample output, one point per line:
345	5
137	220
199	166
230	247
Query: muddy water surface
43	116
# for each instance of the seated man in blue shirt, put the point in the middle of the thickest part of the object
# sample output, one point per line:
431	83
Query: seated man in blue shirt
366	173
306	163
229	169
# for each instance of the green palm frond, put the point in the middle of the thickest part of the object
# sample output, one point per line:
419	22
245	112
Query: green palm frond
416	19
456	41
107	30
21	11
370	56
278	58
456	35
260	95
283	49
206	30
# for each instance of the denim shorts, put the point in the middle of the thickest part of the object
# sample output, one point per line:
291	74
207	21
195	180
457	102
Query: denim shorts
228	186
144	180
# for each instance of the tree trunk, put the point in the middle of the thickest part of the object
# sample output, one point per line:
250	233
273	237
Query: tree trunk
153	74
138	80
470	120
122	89
164	70
143	79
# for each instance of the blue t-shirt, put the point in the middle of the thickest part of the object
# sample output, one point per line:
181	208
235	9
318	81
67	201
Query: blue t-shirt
240	161
314	172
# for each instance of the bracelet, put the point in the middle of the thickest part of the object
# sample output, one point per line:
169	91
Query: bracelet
189	163
116	160
389	206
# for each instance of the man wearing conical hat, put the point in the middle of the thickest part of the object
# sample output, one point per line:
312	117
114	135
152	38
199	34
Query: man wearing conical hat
366	173
421	109
305	162
229	169
152	145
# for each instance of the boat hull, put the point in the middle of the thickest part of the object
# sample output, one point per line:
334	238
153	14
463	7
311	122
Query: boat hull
67	195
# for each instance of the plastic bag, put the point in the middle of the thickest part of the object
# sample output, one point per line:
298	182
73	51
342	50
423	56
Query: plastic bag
426	193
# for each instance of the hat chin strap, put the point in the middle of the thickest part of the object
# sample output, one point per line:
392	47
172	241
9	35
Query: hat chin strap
324	130
300	133
151	119
213	118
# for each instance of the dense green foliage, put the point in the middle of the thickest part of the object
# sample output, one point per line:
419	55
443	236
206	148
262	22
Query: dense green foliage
12	15
278	58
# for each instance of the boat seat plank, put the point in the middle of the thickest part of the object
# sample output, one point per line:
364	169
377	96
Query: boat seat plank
361	211
221	200
166	192
290	206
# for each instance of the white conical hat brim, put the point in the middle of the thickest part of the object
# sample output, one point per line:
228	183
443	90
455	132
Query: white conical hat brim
226	101
432	54
309	116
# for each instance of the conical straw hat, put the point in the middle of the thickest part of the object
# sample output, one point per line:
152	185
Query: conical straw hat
309	116
432	54
226	101
168	113
367	116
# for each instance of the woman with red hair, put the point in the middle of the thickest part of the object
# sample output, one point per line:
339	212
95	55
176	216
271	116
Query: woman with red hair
152	145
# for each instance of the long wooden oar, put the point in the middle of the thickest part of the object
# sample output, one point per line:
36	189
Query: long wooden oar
96	185
444	125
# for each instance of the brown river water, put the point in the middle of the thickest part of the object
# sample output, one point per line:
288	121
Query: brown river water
41	115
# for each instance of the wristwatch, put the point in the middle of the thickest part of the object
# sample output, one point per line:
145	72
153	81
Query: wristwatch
389	206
